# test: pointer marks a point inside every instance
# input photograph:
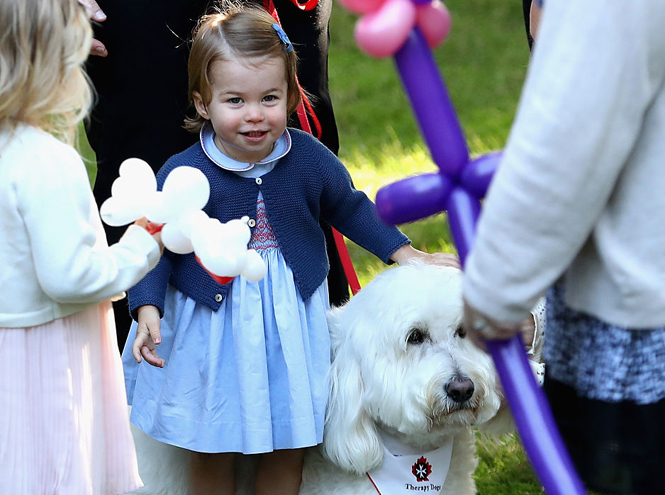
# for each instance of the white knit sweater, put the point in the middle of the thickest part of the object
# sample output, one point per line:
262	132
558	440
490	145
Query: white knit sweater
581	190
54	260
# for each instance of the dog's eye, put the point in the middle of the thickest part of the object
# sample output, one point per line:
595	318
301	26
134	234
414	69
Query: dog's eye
417	337
460	332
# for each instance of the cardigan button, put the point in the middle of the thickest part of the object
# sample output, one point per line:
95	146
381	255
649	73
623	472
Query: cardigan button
259	181
251	223
218	298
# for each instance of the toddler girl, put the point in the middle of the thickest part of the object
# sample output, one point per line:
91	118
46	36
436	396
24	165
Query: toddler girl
245	364
63	420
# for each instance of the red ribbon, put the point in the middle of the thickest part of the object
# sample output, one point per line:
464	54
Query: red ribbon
308	5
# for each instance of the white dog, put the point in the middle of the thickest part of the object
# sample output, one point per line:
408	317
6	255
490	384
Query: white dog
407	388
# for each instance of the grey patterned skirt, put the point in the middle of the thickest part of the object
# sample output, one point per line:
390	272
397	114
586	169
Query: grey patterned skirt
606	386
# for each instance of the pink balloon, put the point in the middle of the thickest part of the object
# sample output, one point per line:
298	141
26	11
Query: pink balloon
361	6
434	21
381	33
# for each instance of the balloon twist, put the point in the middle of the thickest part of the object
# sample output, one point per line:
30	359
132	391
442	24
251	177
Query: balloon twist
177	210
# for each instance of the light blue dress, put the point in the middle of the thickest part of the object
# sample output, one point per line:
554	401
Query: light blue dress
250	377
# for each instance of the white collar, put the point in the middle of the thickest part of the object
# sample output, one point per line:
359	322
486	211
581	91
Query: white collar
207	138
411	472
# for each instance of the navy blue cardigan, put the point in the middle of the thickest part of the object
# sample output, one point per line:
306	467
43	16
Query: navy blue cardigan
307	184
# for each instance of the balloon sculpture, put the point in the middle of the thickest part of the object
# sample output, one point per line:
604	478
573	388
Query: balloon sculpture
221	248
406	29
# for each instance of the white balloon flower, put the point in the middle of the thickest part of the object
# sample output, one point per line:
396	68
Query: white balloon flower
220	247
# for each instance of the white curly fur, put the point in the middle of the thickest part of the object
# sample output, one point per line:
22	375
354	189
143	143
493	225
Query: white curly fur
380	380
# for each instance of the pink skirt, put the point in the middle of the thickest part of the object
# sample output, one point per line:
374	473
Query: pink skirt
64	426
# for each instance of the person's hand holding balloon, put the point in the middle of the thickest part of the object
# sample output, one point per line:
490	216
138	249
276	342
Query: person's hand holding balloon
480	328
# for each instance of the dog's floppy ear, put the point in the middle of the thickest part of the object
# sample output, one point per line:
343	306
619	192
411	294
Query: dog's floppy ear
350	437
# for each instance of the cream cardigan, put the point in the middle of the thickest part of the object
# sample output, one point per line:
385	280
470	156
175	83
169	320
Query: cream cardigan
580	192
54	260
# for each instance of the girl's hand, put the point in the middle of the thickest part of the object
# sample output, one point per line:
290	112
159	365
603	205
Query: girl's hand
407	253
148	336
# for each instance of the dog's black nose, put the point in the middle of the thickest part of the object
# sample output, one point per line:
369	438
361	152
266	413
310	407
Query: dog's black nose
460	389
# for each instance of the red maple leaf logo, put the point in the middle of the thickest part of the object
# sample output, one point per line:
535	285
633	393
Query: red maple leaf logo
421	469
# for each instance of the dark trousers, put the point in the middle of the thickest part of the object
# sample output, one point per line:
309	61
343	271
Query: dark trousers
617	448
142	94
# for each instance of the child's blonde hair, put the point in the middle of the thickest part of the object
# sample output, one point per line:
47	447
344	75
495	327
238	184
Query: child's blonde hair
238	33
43	44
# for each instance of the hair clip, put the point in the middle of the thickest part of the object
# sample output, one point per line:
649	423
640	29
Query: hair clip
283	37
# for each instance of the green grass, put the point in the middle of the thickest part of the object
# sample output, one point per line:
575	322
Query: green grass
504	470
483	63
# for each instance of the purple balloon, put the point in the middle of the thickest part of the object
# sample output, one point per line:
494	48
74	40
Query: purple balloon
463	212
414	198
532	414
460	195
432	105
477	175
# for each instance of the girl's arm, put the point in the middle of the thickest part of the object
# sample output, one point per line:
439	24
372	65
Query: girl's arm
72	261
352	213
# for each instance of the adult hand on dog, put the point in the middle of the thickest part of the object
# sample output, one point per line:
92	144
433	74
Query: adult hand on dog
148	336
480	328
95	13
408	253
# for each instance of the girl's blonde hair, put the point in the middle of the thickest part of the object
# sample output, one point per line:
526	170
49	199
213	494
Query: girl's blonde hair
238	33
43	45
